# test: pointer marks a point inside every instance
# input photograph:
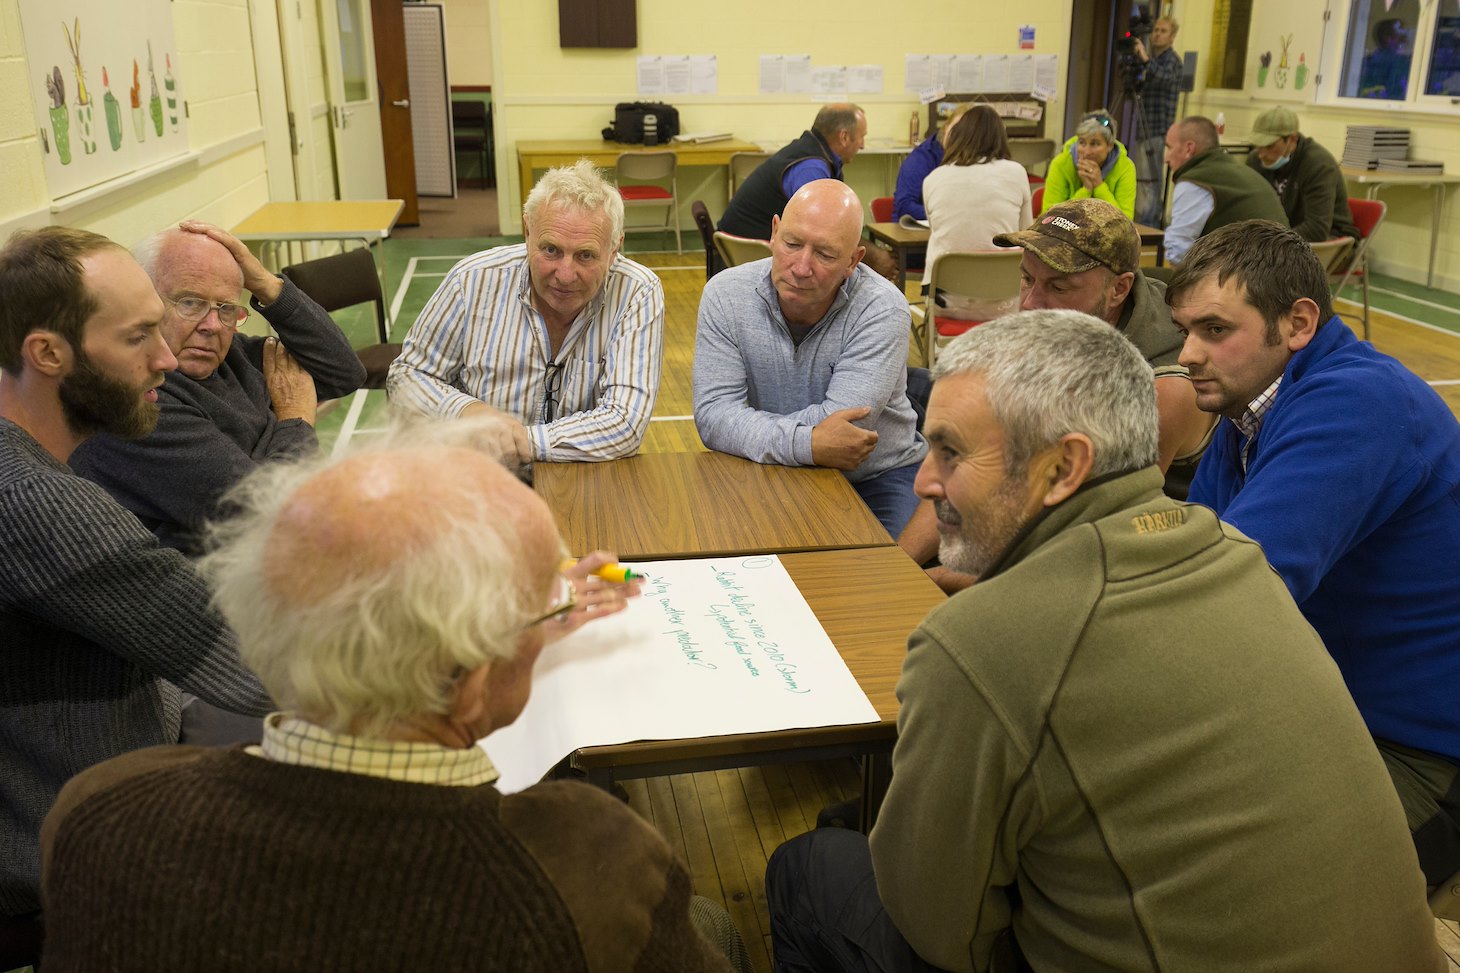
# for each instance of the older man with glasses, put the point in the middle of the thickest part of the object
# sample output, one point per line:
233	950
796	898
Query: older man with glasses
235	401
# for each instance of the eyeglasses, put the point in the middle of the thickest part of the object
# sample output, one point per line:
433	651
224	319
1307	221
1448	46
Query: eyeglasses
554	388
565	599
195	309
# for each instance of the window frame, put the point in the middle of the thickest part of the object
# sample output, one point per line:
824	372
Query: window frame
1338	16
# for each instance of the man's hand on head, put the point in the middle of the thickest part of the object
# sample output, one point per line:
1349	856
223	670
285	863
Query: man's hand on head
836	443
291	388
507	437
263	285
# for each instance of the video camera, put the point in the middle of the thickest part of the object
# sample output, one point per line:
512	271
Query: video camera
1139	30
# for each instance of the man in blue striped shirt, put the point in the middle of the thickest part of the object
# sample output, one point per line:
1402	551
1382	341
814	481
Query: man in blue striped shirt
562	337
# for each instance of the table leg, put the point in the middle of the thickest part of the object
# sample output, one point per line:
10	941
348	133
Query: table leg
1437	193
876	776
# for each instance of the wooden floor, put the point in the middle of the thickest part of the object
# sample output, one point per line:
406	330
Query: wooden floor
726	824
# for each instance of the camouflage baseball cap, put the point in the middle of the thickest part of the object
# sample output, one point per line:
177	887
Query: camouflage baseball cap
1078	235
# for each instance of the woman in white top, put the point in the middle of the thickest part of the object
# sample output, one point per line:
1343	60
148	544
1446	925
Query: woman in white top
978	191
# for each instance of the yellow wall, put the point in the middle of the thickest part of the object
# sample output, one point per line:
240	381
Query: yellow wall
1403	244
542	91
468	41
223	180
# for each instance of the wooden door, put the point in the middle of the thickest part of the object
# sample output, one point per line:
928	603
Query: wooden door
395	106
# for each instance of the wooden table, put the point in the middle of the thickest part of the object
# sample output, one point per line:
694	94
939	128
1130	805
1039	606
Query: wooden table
1373	180
657	506
907	240
533	155
367	220
868	600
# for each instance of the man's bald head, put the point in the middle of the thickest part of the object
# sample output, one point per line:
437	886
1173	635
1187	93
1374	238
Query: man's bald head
360	586
815	247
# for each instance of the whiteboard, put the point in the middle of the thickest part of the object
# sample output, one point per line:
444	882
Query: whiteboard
430	99
712	647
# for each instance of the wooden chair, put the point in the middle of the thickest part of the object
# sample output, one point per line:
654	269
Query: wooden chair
990	277
1334	255
735	250
743	164
345	280
882	209
651	179
1032	154
1367	215
471	131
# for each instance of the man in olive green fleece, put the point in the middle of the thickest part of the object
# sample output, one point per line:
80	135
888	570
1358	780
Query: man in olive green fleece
1123	749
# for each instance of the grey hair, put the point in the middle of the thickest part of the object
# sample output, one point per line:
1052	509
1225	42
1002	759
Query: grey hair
148	253
1092	125
1050	373
582	187
387	643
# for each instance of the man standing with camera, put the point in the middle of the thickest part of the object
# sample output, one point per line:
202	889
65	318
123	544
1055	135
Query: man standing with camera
1155	76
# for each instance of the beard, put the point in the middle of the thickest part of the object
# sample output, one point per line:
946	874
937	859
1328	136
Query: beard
93	402
983	535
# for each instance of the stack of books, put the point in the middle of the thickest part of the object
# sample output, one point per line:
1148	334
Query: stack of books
1418	167
1366	145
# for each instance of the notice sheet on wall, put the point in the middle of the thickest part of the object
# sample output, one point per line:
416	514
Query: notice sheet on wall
712	647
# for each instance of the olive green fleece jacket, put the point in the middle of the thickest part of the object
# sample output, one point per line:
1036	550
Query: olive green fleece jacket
1129	721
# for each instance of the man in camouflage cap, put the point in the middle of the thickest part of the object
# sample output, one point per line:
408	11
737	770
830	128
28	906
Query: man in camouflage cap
1084	255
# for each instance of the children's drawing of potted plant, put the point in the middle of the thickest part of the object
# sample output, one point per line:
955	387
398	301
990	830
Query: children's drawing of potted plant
1300	76
60	118
1280	76
139	120
113	111
1264	61
83	100
170	85
155	104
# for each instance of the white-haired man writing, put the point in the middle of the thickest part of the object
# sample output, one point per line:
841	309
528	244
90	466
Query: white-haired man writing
394	601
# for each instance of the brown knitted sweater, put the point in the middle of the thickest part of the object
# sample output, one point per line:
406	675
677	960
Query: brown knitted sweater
181	858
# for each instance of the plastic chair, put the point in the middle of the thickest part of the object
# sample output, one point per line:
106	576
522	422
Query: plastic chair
1032	154
990	277
882	209
1036	200
1367	215
651	179
345	280
1334	255
743	164
707	234
736	250
471	131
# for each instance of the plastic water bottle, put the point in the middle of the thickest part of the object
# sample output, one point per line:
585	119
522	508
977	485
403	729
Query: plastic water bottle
912	130
1221	123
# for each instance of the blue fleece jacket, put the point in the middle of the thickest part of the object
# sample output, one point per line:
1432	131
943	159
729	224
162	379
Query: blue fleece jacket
1353	491
907	200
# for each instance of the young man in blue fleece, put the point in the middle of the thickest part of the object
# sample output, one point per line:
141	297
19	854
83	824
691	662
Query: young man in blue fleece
1345	467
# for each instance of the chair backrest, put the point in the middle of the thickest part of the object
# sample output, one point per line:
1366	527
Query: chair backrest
882	209
647	166
707	233
343	280
469	114
1031	153
1334	254
1036	200
984	276
1367	214
743	164
736	250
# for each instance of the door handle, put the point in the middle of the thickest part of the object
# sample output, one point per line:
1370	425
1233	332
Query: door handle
402	103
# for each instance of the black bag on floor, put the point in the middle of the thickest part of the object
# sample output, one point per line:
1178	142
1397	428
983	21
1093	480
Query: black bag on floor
643	123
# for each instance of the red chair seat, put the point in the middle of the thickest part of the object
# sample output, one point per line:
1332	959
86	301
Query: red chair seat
644	192
953	327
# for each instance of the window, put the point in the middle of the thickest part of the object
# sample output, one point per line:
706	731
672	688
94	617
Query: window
1400	50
